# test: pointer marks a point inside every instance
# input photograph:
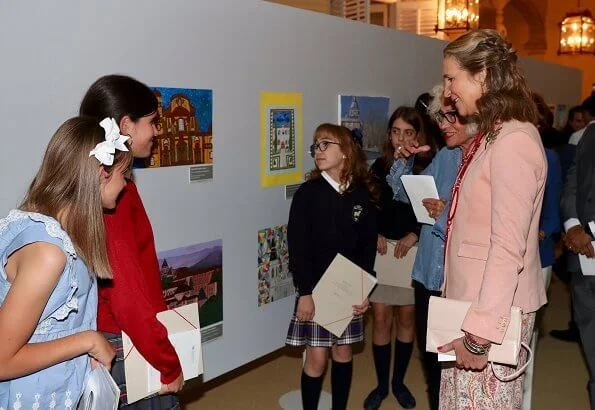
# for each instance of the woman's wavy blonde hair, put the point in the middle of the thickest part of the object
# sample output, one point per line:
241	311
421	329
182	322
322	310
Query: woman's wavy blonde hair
506	95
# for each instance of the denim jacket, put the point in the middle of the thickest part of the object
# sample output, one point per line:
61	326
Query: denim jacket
428	268
550	222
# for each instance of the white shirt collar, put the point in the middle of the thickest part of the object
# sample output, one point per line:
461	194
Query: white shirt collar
576	136
336	186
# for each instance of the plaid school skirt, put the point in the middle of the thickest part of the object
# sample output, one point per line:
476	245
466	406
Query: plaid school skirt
302	333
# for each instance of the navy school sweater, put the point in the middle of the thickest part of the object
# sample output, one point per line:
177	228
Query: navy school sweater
322	223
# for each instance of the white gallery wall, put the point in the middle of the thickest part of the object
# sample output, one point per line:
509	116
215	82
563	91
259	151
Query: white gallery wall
50	52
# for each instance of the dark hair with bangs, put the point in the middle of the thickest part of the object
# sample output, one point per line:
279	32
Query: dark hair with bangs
412	117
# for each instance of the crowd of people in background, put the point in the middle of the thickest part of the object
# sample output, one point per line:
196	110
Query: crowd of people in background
502	172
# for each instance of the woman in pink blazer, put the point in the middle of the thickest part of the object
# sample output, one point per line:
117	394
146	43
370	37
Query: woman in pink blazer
492	254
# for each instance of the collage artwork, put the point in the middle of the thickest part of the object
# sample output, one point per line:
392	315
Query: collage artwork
274	280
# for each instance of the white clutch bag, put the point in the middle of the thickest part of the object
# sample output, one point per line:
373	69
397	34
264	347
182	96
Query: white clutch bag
445	319
100	392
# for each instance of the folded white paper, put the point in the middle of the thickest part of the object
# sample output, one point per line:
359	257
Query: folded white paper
444	357
418	188
343	285
187	345
392	271
183	329
587	264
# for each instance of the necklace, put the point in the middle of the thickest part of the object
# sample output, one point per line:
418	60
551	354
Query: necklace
454	193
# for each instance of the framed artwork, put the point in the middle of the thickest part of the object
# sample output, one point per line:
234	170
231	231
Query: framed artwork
194	273
280	138
184	128
274	279
367	117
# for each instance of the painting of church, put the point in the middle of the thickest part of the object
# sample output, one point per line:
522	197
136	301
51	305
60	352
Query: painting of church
369	116
194	274
352	119
184	128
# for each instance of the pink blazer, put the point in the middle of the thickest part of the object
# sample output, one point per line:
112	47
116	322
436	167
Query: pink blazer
492	255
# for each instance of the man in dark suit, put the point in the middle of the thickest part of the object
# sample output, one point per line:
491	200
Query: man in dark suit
578	209
566	158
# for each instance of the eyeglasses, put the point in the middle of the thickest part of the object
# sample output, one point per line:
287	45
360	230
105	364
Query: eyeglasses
397	132
321	145
450	117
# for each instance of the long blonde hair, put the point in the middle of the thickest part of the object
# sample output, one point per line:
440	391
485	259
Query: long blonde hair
506	94
67	188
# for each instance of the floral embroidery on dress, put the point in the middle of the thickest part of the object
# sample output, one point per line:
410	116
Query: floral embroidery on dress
36	404
68	401
53	402
17	404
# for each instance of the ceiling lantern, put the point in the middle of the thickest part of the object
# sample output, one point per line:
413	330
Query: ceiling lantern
577	33
457	16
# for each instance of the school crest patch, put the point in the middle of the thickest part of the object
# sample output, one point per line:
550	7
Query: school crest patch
356	212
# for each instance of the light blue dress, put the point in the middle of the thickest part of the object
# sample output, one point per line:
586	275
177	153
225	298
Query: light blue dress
71	308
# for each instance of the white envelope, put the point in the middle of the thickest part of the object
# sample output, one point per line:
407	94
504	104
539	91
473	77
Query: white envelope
418	188
392	271
183	328
343	285
587	264
444	357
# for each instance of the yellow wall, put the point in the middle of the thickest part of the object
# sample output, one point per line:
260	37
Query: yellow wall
322	6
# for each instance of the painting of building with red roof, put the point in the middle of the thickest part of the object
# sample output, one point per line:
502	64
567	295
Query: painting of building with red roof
184	128
194	274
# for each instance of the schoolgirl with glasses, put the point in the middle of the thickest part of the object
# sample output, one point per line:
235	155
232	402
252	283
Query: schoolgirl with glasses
333	212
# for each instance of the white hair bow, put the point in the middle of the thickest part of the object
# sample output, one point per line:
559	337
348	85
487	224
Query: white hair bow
104	151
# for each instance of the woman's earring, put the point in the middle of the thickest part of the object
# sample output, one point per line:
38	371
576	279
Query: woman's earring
344	156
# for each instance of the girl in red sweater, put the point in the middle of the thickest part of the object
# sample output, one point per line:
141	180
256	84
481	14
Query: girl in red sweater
132	299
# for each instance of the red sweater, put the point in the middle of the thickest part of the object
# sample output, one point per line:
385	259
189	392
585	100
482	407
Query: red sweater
131	300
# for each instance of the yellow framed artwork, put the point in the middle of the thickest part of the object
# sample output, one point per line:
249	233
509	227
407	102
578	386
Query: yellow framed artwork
281	155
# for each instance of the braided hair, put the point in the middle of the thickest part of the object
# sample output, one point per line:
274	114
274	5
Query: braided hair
506	95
